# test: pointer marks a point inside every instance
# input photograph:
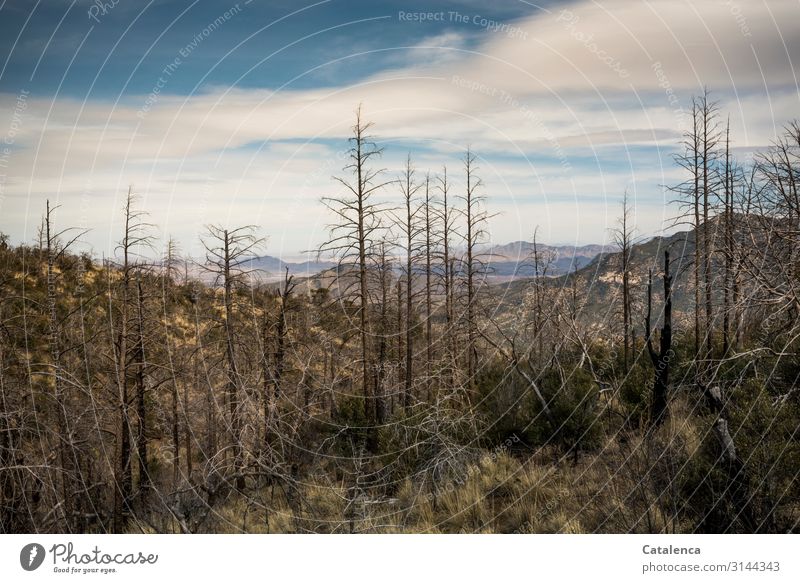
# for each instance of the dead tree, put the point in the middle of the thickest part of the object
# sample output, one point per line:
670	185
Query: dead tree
227	255
281	331
689	195
774	266
475	219
353	240
428	275
384	331
169	276
134	237
540	260
399	335
709	143
410	230
201	372
699	158
12	482
69	464
729	243
448	232
661	360
624	238
141	397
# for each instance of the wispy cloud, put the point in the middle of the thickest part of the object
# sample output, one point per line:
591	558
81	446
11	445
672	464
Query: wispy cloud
589	102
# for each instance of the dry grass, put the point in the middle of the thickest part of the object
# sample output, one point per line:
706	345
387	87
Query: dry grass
629	484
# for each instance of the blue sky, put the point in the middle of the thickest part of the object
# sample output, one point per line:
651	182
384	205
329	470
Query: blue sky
126	48
237	112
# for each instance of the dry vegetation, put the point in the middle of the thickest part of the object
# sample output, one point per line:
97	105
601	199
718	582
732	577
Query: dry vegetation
401	398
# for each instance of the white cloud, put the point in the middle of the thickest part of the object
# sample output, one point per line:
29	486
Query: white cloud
530	105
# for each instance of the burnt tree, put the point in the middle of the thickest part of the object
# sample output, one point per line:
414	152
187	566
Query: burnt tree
661	360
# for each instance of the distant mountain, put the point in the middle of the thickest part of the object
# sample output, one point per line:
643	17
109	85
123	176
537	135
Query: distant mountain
506	261
600	281
522	249
273	267
515	259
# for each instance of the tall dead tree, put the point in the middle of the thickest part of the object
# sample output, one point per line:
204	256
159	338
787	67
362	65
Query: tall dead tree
446	235
540	260
275	336
13	511
475	219
728	246
228	252
709	143
698	159
201	373
69	464
169	276
353	240
140	364
134	237
689	193
775	266
384	328
399	336
410	230
624	238
659	408
428	276
743	202
281	331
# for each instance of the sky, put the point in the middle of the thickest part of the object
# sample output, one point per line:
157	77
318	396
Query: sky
234	113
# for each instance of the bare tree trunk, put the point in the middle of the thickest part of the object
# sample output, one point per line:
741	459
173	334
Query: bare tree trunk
124	472
230	355
707	153
281	331
624	240
227	252
448	273
428	291
539	271
210	402
279	359
363	293
696	194
65	445
175	433
141	408
167	299
661	359
409	229
470	267
353	240
385	272
187	427
267	377
728	217
475	219
400	358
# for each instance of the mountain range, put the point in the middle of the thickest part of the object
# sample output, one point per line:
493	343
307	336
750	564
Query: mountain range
506	262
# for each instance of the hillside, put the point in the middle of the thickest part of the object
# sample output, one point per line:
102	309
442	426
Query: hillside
600	280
